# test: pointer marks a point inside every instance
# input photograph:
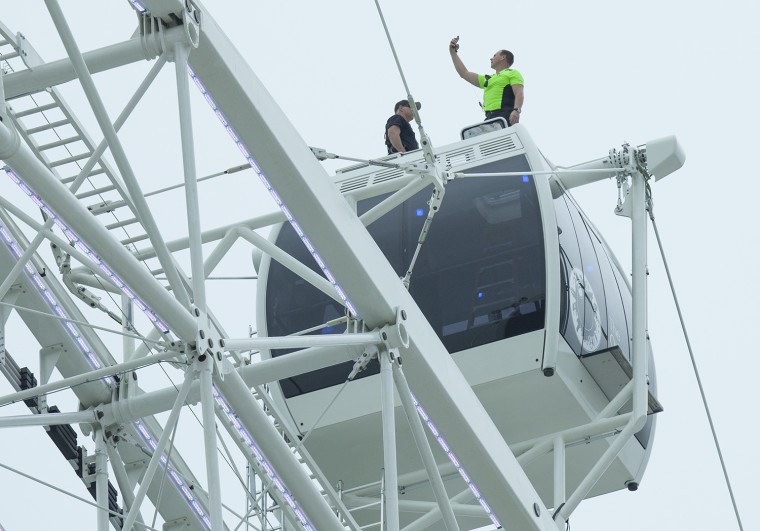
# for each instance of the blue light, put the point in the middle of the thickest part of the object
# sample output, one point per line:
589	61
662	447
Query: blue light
526	178
420	212
589	269
480	295
327	329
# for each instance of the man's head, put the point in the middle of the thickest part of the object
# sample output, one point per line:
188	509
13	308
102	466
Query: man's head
502	59
404	110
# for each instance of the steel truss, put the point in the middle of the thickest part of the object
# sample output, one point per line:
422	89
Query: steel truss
383	320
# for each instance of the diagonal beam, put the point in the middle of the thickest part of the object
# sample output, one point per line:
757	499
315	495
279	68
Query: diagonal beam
119	155
94	158
366	276
80	220
171	422
423	446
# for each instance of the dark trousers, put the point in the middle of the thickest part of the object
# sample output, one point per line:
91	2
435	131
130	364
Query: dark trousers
499	113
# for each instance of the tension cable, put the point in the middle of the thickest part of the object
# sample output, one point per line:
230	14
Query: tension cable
693	361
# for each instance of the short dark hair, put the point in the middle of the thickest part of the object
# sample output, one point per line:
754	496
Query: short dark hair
509	56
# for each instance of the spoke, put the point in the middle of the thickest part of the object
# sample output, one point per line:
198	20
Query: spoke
191	184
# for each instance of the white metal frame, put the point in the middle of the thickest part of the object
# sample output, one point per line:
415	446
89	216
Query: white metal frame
387	321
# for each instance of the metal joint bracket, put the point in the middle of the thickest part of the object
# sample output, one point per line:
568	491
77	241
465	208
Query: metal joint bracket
48	360
157	39
10	297
620	159
87	460
27	52
420	168
370	353
395	336
208	341
623	207
175	525
191	17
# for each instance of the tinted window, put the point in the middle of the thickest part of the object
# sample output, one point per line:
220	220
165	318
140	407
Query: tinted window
596	301
570	260
479	276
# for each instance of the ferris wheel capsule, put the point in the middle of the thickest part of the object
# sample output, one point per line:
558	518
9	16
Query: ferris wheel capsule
520	287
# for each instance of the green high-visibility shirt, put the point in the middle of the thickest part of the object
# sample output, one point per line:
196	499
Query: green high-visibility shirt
497	89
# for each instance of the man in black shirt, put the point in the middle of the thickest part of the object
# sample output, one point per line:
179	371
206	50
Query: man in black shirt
399	136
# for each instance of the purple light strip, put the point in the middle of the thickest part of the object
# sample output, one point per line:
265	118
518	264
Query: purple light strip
246	153
174	477
47	296
138	6
263	463
455	462
75	240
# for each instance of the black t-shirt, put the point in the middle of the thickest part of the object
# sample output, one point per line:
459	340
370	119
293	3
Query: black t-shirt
408	139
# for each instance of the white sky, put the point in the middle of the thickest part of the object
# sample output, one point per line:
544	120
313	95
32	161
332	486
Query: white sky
597	74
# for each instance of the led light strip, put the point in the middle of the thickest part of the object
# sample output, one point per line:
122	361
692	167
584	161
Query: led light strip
47	296
75	240
138	6
455	462
174	477
263	463
246	153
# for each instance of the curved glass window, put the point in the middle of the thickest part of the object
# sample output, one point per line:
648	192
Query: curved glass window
596	301
479	276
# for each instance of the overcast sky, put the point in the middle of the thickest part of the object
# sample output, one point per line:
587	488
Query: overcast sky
597	74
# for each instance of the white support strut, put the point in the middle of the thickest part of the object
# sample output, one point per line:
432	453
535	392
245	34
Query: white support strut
389	441
365	275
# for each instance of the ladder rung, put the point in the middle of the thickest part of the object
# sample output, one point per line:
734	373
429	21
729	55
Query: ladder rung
3	42
120	224
58	143
67	180
67	160
156	272
47	126
134	239
96	191
35	110
7	56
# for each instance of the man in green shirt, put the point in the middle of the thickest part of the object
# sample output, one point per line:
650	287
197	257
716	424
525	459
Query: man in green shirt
502	92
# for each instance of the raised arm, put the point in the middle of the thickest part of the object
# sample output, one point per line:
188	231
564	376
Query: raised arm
470	77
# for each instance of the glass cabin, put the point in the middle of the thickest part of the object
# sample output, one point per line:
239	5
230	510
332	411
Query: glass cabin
517	283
